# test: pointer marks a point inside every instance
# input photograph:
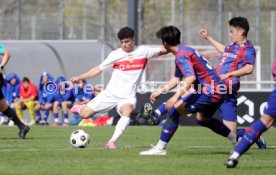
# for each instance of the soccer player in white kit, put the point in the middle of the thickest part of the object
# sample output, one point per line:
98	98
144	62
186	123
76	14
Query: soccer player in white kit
128	63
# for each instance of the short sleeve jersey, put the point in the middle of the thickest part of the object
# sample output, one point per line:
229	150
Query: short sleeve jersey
234	57
190	63
128	68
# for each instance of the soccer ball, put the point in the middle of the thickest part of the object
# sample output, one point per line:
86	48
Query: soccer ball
79	139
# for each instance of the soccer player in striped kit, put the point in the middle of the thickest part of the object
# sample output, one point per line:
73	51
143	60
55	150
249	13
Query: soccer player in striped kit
198	74
238	59
253	132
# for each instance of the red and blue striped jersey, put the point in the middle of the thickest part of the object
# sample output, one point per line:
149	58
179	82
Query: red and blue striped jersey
234	57
190	63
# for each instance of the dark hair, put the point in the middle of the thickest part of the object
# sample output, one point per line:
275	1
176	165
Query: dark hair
125	32
26	79
169	34
241	22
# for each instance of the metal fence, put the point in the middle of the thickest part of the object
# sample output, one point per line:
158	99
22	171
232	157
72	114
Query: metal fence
101	19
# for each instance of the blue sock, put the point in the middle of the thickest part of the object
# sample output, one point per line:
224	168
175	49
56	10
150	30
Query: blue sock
170	126
250	136
38	116
216	126
46	114
240	132
160	110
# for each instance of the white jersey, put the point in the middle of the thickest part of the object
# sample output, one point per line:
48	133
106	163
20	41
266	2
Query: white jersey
128	68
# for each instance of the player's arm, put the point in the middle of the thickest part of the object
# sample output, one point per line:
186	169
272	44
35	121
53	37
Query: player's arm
274	70
90	74
248	64
166	88
187	84
155	52
204	33
245	70
185	66
163	51
106	64
6	58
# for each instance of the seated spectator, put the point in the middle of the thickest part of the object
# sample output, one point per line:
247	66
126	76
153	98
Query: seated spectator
12	86
28	99
46	98
11	92
82	96
64	100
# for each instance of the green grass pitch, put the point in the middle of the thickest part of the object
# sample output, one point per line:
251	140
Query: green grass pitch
193	150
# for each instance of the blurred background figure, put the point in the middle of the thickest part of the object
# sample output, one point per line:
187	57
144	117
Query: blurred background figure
46	97
28	99
11	94
64	99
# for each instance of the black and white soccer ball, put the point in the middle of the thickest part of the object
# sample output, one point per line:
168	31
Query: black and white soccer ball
79	139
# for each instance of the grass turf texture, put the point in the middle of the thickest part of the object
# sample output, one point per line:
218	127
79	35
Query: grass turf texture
193	150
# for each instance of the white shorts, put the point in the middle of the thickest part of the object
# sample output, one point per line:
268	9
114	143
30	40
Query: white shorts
106	101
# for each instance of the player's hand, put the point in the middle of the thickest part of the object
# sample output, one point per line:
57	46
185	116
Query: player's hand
224	76
171	102
154	96
75	80
203	33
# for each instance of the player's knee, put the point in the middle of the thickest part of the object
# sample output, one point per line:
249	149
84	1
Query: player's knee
85	112
267	120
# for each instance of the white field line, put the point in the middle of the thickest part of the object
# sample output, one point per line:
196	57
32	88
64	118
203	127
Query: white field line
26	149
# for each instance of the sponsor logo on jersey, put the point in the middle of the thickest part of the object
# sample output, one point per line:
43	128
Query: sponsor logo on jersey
137	64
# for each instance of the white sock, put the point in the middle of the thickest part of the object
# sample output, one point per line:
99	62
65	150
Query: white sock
158	112
161	145
56	120
120	128
232	137
66	120
235	155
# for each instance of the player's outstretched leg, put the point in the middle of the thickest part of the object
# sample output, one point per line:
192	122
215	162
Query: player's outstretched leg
219	128
154	115
260	142
119	130
251	135
167	133
23	128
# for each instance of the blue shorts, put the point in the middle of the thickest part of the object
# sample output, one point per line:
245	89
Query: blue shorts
228	109
270	108
201	103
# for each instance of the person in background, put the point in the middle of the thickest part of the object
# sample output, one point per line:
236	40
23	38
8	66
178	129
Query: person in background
11	93
4	108
28	99
46	98
64	100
